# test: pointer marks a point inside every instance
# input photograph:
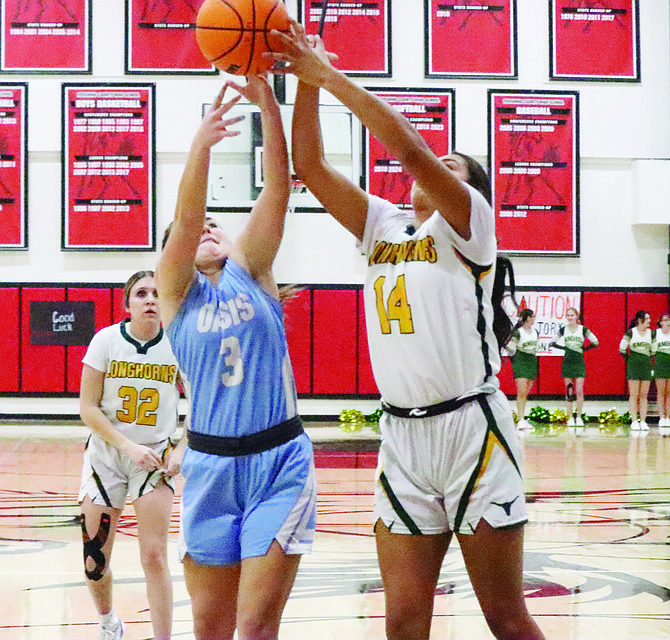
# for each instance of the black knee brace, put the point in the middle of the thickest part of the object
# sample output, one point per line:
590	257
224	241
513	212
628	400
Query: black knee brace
570	396
93	548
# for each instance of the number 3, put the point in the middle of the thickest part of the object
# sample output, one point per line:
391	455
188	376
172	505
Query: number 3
396	307
230	350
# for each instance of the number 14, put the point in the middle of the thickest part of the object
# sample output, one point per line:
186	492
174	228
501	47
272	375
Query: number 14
395	308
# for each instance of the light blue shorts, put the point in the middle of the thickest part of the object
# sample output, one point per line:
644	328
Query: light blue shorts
235	507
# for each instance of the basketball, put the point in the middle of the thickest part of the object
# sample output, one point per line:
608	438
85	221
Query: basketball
232	34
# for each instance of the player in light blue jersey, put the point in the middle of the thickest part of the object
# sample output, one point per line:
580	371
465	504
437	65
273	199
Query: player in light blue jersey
249	499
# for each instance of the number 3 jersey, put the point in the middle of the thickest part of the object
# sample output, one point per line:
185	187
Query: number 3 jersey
140	394
428	304
231	346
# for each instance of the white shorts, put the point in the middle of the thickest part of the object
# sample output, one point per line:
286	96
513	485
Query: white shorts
447	472
108	477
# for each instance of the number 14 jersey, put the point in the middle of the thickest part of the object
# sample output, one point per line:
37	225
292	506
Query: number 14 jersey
428	304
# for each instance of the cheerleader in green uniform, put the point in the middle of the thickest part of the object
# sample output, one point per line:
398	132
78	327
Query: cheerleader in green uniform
660	348
522	349
574	339
635	347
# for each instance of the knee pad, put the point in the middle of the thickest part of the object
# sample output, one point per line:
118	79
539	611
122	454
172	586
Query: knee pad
93	547
570	394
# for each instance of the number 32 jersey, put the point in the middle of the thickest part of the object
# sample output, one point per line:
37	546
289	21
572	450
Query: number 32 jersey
428	304
140	392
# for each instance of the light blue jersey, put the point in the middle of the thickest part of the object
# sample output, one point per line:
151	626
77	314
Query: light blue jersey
230	343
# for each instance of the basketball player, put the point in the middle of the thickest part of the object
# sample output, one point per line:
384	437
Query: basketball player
129	400
635	347
574	339
449	456
249	499
522	348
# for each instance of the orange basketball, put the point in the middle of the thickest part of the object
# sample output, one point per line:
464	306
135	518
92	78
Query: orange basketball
232	34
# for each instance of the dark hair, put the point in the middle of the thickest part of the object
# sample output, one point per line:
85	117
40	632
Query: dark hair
166	235
502	325
638	318
524	314
663	316
131	282
477	177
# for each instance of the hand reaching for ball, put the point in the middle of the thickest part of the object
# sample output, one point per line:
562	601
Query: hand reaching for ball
257	90
213	127
302	55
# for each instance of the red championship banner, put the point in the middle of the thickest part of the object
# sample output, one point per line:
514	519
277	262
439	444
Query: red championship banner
470	38
108	173
46	37
432	113
160	38
594	40
358	32
534	168
13	165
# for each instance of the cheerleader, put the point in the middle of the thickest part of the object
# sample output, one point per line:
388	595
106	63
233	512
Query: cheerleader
522	349
660	348
635	347
574	339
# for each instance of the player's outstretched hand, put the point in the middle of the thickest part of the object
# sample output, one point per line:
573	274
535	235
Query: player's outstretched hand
257	90
302	55
214	127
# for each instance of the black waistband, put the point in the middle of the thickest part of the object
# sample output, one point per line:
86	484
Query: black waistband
431	410
246	445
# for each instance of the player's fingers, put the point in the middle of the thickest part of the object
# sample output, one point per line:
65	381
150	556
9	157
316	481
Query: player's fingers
219	98
296	27
226	106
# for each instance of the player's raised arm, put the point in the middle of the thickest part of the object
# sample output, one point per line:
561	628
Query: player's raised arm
176	267
344	200
257	245
307	59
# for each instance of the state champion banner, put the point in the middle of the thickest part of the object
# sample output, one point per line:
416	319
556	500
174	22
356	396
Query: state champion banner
13	165
358	32
470	38
549	308
160	38
594	40
46	37
432	114
108	167
534	169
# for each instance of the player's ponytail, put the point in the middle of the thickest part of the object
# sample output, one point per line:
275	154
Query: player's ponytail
502	325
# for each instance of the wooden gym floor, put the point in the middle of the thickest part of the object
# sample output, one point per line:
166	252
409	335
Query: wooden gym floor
596	559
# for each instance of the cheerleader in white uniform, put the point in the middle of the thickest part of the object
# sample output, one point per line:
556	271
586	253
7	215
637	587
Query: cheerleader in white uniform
635	347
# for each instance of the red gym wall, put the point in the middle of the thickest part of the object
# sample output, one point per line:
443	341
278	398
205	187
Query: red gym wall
325	326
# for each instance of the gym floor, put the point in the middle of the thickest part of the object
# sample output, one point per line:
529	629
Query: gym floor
596	558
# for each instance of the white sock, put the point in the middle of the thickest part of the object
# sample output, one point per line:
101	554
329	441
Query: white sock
108	618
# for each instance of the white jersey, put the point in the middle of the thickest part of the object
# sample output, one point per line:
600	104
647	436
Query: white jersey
140	393
575	339
523	339
637	342
661	342
428	304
